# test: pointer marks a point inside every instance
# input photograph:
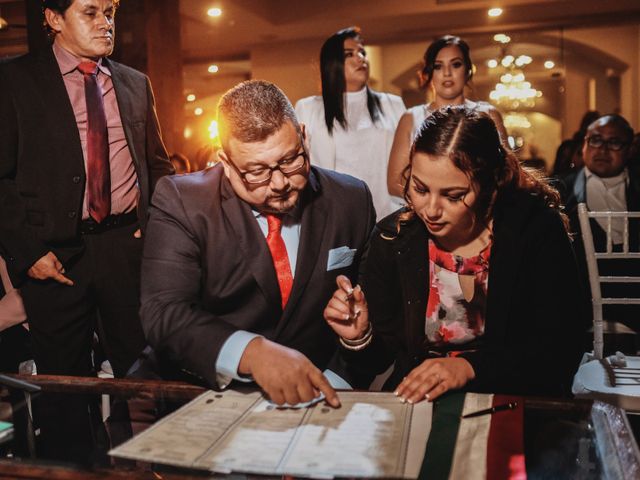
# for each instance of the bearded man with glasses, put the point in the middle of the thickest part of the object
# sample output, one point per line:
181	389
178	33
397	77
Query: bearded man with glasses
605	183
241	259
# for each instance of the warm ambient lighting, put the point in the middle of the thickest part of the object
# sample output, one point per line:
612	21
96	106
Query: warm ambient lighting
198	111
494	12
549	64
187	132
493	63
214	12
502	38
191	97
213	68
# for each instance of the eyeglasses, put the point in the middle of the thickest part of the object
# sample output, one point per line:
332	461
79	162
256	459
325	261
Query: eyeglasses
613	144
287	166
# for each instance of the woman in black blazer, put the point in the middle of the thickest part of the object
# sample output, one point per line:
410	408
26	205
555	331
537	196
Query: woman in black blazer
473	285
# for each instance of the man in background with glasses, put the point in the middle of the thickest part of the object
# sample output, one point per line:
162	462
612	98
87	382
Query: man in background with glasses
606	184
241	259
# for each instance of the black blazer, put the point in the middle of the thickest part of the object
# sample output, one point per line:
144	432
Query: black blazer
535	312
207	271
42	175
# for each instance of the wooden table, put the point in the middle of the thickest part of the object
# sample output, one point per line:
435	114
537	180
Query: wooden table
561	438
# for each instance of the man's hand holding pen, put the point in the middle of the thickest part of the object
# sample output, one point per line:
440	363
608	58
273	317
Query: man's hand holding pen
347	313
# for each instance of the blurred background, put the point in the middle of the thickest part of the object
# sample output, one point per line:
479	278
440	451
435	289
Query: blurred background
542	63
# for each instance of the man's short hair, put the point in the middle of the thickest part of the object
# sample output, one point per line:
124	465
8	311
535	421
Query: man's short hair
619	122
61	6
253	111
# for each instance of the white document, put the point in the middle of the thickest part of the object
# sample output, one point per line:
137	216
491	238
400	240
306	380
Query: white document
370	435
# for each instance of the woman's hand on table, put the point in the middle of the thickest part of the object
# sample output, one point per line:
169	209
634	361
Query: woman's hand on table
433	377
346	313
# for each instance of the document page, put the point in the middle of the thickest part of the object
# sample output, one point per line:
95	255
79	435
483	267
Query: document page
370	435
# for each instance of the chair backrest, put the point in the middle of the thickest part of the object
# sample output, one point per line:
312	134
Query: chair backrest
592	257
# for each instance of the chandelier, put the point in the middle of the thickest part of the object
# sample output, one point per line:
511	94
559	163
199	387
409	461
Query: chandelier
513	91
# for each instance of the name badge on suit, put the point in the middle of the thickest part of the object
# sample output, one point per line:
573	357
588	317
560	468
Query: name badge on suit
340	257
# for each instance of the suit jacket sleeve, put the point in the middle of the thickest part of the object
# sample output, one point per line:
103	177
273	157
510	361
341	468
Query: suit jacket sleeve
21	245
174	321
157	157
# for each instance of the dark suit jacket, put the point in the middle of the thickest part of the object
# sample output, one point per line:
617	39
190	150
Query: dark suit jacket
207	271
574	191
535	312
42	175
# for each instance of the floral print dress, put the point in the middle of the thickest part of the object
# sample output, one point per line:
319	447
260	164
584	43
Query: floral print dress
452	319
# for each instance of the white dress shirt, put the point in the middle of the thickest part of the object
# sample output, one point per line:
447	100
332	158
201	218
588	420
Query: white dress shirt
608	194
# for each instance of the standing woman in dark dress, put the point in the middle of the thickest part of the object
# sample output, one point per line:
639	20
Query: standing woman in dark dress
474	284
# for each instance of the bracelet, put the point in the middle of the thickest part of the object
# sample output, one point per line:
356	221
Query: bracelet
360	343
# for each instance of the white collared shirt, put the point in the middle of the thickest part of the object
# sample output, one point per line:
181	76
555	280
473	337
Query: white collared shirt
608	194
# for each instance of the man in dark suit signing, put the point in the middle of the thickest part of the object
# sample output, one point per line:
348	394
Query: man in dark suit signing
241	259
80	153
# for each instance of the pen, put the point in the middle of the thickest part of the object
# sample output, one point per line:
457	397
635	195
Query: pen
489	411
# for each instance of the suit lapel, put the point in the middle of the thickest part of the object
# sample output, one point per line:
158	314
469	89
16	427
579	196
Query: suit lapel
125	97
580	187
312	229
413	265
250	240
62	120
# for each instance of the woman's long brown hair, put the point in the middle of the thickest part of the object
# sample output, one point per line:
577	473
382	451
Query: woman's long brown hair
470	139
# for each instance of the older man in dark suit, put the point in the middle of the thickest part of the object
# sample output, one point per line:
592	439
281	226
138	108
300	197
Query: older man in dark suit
241	259
80	152
607	183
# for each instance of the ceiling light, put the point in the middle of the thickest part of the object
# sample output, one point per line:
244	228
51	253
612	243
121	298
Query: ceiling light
191	97
493	63
213	68
502	38
494	12
549	64
523	60
506	61
214	12
198	111
187	133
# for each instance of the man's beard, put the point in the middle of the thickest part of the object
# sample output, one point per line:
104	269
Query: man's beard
274	204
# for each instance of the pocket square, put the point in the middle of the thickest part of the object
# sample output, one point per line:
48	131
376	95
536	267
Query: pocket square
340	257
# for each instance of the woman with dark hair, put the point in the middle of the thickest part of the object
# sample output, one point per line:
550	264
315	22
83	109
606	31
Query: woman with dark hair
474	284
447	70
350	127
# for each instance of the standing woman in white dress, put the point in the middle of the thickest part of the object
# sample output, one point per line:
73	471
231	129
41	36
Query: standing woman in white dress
447	70
351	127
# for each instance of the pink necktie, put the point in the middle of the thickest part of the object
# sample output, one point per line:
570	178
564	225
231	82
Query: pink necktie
280	258
98	174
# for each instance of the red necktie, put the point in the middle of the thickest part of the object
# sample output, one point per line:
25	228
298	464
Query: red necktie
280	258
98	174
